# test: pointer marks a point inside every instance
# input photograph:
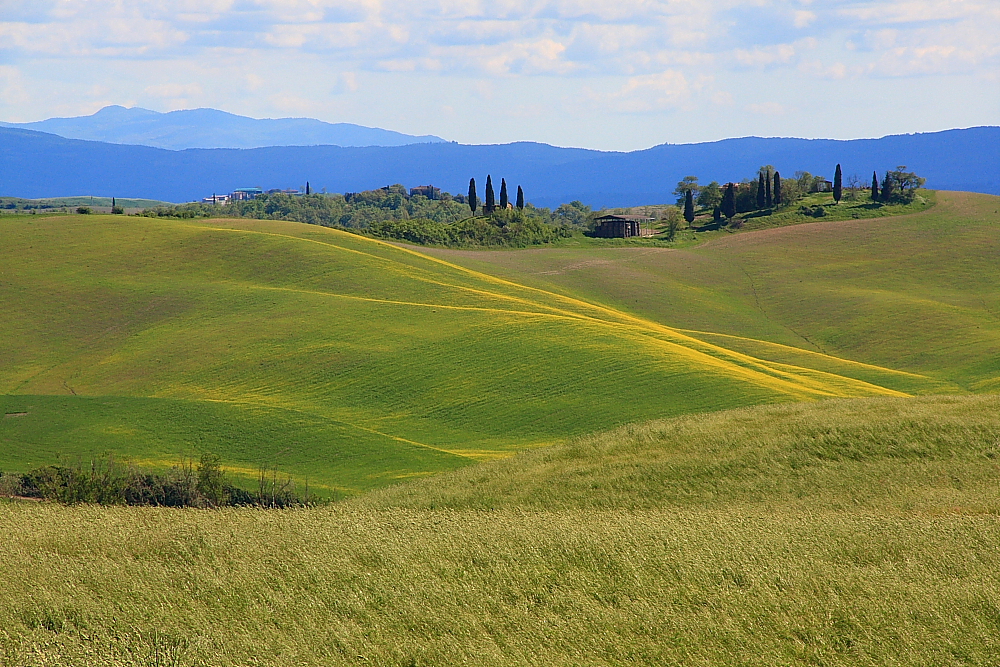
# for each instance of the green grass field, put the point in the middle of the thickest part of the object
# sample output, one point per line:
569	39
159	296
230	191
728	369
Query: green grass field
341	358
773	448
73	202
843	532
916	293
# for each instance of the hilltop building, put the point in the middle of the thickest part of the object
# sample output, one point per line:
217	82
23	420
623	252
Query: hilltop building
615	226
243	194
428	191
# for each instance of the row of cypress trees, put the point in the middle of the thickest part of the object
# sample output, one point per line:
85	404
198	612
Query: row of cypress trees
768	195
883	194
490	204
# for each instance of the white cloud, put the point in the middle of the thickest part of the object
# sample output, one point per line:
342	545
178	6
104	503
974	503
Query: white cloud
652	55
803	18
651	92
770	55
12	90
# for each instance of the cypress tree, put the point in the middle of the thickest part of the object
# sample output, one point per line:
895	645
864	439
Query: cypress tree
503	194
761	196
729	202
717	214
520	198
874	186
490	197
838	185
777	189
472	195
768	200
886	188
113	204
689	207
308	191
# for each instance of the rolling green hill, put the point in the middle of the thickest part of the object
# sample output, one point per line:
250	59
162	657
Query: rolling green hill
749	524
917	293
843	532
336	357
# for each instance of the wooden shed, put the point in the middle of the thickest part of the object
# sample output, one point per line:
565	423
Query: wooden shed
615	226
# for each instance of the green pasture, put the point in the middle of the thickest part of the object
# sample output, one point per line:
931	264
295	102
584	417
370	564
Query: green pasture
842	532
73	202
330	356
336	357
357	363
917	293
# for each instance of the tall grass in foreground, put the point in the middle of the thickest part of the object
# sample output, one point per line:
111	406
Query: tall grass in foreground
838	533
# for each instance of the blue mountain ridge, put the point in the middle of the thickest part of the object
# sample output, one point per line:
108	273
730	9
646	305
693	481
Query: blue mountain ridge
36	165
210	128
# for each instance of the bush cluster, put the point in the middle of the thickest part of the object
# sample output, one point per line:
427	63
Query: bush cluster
817	211
503	228
391	213
186	485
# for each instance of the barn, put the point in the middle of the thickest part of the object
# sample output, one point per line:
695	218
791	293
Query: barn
615	226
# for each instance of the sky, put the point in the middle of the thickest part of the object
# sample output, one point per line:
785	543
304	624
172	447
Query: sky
605	74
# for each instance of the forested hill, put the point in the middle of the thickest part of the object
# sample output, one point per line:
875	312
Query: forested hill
35	164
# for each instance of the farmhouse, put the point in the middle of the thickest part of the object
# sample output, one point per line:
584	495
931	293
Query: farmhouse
243	194
614	226
428	191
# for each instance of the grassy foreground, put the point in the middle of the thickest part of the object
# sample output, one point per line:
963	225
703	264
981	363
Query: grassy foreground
845	532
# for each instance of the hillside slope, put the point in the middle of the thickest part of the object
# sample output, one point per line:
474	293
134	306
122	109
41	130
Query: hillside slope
846	532
918	293
333	356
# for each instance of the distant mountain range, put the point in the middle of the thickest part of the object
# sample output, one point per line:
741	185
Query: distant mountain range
35	164
209	128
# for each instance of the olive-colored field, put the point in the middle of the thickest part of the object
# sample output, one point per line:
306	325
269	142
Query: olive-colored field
842	532
356	363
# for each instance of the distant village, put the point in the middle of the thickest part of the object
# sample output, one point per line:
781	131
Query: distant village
245	194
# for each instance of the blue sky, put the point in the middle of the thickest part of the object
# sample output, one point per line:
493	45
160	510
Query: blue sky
609	74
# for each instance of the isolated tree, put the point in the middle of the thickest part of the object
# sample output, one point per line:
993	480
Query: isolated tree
473	202
838	184
211	481
113	203
308	191
761	194
729	202
503	194
904	183
673	224
768	199
777	189
689	183
874	186
689	207
490	197
520	199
